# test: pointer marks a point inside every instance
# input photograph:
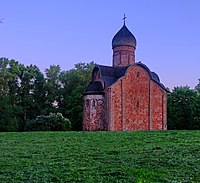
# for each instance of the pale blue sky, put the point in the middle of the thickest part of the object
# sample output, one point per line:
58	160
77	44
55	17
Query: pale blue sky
65	32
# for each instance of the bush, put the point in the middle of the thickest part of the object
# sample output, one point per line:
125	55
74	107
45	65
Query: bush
53	122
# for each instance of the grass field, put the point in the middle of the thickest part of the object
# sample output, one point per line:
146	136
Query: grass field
139	156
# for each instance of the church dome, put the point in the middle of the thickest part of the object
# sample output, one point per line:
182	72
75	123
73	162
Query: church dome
123	38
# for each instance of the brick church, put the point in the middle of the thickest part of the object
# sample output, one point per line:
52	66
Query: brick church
126	95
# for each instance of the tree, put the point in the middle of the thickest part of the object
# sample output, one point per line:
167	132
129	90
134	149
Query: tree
4	76
197	87
74	82
181	106
196	112
8	87
32	92
38	93
21	89
8	120
52	89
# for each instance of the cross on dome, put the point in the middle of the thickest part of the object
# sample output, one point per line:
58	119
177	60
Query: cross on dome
124	19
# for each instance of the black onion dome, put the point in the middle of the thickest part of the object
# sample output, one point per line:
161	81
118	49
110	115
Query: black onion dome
123	38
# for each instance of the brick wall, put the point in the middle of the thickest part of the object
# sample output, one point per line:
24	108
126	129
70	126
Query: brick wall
159	107
116	107
137	102
123	56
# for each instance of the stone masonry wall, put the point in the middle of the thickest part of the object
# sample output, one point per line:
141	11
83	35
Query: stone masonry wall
93	113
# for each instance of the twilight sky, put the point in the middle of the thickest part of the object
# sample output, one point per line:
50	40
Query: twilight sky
66	32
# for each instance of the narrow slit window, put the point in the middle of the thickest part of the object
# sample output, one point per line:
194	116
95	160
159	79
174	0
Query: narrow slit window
138	104
93	103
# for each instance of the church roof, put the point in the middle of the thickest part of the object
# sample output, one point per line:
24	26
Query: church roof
94	88
111	74
123	38
108	74
153	75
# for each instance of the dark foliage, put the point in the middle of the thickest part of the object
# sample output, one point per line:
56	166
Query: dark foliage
25	93
184	109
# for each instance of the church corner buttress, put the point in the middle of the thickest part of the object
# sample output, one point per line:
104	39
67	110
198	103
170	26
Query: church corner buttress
124	96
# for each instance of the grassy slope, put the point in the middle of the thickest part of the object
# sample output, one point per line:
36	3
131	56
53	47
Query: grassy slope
151	156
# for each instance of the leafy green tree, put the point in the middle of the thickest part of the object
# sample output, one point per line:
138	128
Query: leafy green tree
181	106
196	112
8	87
196	115
38	93
22	89
8	119
197	87
26	86
74	82
52	89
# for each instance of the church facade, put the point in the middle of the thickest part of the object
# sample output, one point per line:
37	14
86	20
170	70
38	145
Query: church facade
124	96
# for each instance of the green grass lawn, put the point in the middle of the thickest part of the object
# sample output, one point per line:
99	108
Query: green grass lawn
139	156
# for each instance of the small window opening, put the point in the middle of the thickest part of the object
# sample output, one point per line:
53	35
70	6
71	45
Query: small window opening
138	74
93	103
138	103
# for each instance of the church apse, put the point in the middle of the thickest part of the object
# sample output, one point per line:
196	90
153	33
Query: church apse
93	109
93	113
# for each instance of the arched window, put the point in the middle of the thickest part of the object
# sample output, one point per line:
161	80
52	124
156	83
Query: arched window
93	103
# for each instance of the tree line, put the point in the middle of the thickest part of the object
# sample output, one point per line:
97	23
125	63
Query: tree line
33	100
26	92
